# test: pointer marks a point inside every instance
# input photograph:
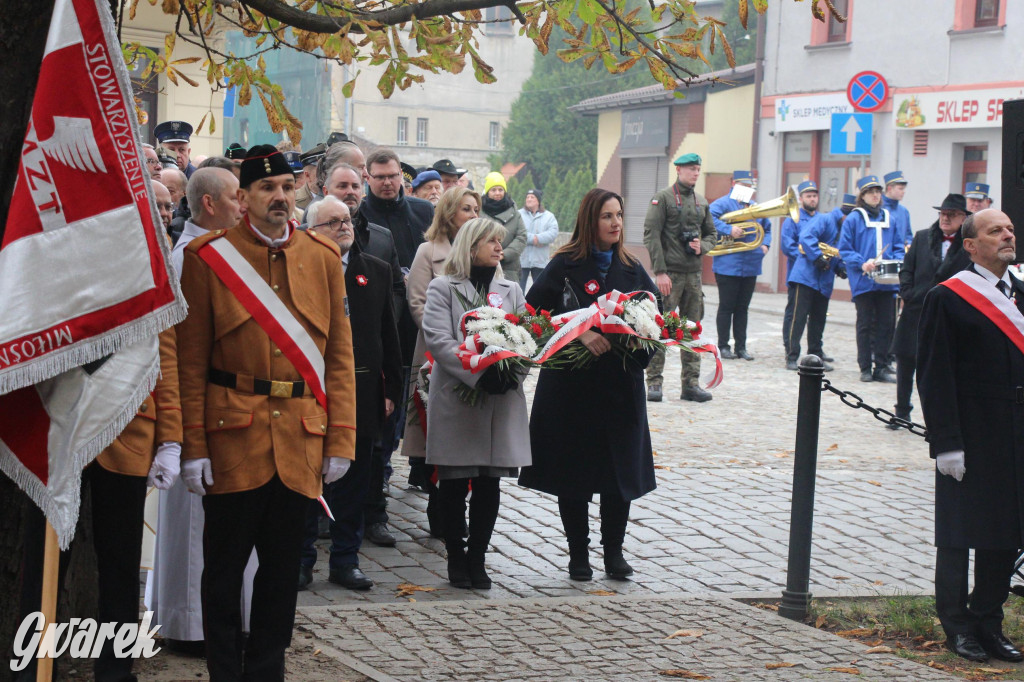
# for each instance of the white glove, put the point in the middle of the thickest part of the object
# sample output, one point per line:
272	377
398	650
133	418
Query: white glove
166	466
194	472
334	468
951	464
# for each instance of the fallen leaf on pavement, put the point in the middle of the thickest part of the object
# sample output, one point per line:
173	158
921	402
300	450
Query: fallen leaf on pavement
856	632
407	589
662	466
938	666
685	674
316	653
849	671
601	593
686	633
993	671
841	577
878	582
770	607
780	455
820	621
775	666
875	483
874	643
880	650
929	644
830	448
900	469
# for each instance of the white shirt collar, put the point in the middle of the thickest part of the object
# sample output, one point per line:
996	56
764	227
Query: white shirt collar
991	276
193	230
272	243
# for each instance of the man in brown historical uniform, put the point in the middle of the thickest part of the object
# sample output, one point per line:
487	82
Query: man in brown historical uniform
268	401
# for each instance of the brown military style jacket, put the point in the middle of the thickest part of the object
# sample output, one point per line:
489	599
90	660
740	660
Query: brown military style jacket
157	421
248	437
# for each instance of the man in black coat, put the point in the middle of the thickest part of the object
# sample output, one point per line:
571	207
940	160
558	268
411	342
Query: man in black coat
929	250
377	356
971	382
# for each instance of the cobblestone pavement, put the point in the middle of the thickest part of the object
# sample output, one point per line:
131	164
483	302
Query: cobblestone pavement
716	526
595	639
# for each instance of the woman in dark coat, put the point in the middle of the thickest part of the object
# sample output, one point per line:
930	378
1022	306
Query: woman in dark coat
588	428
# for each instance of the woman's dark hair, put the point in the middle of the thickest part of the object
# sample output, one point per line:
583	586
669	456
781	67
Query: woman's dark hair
584	235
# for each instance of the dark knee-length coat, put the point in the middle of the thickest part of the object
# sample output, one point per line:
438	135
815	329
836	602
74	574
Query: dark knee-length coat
971	380
588	428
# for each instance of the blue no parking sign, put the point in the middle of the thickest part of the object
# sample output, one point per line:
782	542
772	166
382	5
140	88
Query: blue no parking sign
850	134
867	91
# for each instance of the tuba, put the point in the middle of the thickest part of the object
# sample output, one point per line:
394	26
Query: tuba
746	219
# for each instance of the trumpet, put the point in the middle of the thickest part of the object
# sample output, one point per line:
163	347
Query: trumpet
827	252
746	219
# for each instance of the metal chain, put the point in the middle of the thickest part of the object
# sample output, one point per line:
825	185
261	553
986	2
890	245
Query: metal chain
885	416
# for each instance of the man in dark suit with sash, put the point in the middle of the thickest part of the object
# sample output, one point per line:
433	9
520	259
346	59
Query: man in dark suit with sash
971	382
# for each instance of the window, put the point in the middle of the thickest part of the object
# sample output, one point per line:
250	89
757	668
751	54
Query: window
837	29
502	19
975	164
986	13
421	132
495	134
402	137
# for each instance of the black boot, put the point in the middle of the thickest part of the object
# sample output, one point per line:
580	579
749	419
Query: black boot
435	518
483	513
458	566
451	505
614	516
577	532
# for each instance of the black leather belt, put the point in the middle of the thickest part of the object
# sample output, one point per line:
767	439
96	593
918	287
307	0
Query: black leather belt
277	389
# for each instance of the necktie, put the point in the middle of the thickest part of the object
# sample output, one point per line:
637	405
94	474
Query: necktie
1004	288
949	237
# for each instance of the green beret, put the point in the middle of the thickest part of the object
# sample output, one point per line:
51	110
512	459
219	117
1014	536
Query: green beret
687	160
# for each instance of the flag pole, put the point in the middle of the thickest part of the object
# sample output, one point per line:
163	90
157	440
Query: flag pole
48	601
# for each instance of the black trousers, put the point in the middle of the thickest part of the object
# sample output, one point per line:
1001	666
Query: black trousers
961	613
118	503
483	512
270	518
810	309
576	521
787	318
876	319
734	294
906	365
345	497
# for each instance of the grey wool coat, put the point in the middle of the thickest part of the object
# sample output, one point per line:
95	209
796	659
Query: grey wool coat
496	432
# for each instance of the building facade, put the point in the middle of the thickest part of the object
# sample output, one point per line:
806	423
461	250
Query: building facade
949	66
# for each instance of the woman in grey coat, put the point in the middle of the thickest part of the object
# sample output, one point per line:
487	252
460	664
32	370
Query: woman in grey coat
481	443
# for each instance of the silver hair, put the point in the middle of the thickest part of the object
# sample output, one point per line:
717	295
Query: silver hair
205	181
313	212
472	232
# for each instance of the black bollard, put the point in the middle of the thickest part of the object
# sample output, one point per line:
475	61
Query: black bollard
796	600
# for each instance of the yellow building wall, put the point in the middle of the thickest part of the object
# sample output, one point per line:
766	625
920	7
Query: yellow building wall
609	132
180	102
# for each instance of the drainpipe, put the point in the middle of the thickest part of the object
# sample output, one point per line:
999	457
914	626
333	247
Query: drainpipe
758	77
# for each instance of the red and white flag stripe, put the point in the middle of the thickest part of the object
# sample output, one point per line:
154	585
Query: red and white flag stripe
990	302
270	313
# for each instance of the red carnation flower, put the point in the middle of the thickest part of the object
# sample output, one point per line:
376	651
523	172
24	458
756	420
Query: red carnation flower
674	315
659	320
679	335
697	330
537	330
556	327
546	314
514	319
664	333
361	280
530	309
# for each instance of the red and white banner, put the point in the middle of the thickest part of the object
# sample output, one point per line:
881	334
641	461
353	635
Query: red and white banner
990	302
84	274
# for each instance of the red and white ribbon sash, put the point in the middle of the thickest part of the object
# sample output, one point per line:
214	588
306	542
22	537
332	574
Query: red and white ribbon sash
270	313
990	302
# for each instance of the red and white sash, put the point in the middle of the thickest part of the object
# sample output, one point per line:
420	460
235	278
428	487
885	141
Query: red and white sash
990	302
270	313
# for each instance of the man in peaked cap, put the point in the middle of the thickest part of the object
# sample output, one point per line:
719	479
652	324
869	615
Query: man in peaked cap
408	175
176	135
307	192
268	402
977	195
895	190
789	243
678	232
736	273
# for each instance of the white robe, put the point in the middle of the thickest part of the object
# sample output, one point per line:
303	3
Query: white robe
173	590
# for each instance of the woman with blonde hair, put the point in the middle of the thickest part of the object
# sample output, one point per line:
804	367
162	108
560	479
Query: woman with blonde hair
456	206
471	444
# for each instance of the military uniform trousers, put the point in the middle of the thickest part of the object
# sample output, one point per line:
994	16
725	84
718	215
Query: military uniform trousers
688	296
810	309
271	519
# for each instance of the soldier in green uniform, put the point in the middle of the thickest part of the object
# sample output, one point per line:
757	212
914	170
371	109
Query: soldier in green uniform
678	232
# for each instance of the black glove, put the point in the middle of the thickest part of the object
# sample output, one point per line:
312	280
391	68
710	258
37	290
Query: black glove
821	263
494	382
841	271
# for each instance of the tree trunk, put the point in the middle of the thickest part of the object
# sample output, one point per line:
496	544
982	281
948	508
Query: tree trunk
22	40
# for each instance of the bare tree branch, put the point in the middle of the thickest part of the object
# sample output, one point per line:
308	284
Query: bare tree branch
318	23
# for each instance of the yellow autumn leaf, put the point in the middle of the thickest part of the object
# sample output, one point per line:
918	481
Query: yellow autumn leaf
776	666
684	674
686	633
602	593
848	671
880	650
820	621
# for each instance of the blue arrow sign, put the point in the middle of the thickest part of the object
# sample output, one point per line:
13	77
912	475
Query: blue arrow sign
850	134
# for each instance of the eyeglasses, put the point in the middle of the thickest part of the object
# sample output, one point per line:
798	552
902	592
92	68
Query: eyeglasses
165	207
153	162
334	223
387	178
